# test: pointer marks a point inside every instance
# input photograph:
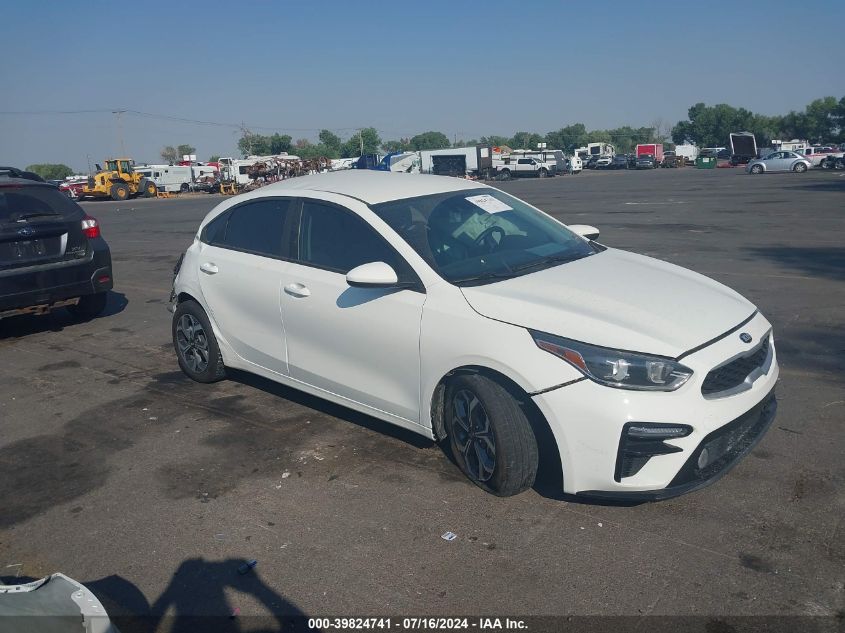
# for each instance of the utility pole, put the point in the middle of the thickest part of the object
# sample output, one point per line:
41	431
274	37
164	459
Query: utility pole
118	114
361	138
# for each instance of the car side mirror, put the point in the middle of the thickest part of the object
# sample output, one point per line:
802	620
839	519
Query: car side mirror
372	275
585	231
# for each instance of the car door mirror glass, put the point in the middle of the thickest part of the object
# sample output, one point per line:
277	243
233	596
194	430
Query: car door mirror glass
372	275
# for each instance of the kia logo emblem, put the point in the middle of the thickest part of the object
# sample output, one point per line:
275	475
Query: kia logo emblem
745	337
25	231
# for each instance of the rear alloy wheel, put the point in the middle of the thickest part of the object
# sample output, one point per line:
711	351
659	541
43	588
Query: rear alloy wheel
799	168
543	173
119	191
89	306
491	439
195	344
183	188
840	163
505	174
756	169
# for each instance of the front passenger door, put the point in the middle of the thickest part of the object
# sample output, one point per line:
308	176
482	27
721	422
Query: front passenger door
359	343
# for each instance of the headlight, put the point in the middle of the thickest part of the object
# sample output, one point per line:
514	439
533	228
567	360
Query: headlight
614	368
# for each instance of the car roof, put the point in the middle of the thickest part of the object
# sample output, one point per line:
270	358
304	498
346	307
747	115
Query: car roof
373	187
23	182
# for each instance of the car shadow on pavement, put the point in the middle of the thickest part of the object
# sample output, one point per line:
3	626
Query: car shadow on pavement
329	408
201	596
58	320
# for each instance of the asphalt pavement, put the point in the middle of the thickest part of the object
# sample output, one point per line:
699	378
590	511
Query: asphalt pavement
152	489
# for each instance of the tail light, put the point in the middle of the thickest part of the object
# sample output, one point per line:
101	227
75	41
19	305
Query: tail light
90	227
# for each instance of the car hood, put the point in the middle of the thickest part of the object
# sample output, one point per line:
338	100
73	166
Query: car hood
616	299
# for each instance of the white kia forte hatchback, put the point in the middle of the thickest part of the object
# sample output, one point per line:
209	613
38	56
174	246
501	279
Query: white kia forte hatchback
458	311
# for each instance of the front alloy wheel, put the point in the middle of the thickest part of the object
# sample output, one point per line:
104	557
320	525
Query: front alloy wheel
473	435
490	436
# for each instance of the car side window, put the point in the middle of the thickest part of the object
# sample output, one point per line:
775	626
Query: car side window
339	240
255	227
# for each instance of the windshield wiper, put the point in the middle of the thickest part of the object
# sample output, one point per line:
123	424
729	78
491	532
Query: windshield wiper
554	259
482	277
36	214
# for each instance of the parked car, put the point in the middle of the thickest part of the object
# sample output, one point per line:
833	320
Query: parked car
620	161
833	161
72	188
52	253
647	161
778	161
591	162
519	167
462	313
604	162
574	164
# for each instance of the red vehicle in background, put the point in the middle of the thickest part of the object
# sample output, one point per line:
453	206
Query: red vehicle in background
649	156
73	188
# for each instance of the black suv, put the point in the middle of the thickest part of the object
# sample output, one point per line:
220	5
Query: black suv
51	251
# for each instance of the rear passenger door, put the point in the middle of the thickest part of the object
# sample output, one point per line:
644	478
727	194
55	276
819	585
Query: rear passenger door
242	261
359	343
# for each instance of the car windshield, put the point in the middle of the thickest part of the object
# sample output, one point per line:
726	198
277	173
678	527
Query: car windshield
481	235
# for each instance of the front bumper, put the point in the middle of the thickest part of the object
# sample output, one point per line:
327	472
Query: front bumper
588	419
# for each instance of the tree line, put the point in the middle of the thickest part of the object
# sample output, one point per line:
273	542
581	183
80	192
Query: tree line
823	120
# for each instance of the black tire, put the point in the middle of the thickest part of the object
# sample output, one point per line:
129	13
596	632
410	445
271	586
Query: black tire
119	191
89	306
183	188
756	169
542	173
505	174
198	353
840	163
514	446
825	164
799	168
147	188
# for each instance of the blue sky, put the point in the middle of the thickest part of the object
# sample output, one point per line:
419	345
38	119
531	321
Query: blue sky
464	68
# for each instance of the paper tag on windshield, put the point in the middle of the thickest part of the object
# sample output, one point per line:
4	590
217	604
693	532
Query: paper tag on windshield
489	203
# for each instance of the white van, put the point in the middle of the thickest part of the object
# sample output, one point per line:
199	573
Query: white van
171	178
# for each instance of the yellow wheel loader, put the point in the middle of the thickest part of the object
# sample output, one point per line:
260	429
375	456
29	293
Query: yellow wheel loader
118	181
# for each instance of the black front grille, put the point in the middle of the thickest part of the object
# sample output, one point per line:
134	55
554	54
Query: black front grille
735	372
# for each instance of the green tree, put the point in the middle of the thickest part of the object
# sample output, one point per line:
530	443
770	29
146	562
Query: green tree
168	154
331	141
51	171
184	150
568	138
494	140
401	145
366	139
254	144
429	140
525	140
279	143
214	158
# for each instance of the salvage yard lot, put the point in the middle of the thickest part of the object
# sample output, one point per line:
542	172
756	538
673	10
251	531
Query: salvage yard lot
120	472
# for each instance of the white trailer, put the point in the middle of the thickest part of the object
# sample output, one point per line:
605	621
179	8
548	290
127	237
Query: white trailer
600	149
687	151
171	178
458	161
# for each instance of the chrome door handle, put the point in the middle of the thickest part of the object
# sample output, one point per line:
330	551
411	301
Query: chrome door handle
209	269
297	290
